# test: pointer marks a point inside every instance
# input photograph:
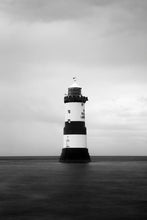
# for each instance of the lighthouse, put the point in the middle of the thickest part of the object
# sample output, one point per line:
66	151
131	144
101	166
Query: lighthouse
74	132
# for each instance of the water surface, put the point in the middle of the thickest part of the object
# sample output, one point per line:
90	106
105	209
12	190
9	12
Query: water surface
40	188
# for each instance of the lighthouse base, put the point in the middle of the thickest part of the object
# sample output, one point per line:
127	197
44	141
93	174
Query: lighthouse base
74	155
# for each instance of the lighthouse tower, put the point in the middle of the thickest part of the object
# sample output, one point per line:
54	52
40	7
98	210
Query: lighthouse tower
75	140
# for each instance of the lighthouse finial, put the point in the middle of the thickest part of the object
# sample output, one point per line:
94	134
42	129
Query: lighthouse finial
75	79
75	83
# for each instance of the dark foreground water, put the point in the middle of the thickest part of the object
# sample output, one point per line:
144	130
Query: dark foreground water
41	188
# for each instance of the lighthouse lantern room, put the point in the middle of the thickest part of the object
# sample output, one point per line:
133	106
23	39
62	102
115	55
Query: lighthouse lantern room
75	140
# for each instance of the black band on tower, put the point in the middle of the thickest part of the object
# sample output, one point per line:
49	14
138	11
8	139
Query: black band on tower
75	127
82	99
75	155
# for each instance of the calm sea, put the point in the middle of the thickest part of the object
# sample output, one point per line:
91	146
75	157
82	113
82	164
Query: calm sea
41	188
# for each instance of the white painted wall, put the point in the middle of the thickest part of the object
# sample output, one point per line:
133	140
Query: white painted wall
75	111
75	140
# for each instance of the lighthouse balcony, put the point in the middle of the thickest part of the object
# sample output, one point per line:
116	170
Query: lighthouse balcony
81	98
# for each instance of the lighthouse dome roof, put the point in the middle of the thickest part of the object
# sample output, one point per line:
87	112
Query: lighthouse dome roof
74	85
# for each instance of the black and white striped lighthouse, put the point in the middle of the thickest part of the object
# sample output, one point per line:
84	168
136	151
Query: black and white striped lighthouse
75	139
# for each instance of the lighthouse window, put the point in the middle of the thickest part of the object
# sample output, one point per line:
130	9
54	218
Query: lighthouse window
68	111
83	114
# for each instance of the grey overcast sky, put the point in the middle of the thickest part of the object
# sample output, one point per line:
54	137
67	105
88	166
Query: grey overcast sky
43	44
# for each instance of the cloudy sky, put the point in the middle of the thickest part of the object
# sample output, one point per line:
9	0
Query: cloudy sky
43	44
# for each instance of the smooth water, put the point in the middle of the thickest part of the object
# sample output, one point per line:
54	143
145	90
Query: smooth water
33	188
